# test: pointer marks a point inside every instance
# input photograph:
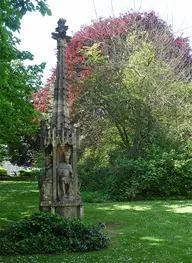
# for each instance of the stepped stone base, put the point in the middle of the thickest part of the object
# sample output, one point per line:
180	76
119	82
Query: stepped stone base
68	210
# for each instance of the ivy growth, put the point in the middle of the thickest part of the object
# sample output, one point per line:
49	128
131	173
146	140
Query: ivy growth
44	233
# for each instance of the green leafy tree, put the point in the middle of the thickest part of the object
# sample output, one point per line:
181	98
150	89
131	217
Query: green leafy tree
17	81
144	106
141	96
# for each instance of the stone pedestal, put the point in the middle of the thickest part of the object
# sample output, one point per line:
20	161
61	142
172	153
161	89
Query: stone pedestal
68	210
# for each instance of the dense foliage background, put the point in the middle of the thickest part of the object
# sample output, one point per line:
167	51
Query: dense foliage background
130	93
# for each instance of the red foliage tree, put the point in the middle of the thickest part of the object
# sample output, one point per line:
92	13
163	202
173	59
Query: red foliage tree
41	98
105	31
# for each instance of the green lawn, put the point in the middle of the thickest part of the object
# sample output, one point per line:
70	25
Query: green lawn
141	232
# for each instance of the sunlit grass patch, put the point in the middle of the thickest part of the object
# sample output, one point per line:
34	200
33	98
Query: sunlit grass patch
153	240
180	208
141	232
125	207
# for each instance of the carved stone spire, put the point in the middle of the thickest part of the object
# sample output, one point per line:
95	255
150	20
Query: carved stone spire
60	117
59	191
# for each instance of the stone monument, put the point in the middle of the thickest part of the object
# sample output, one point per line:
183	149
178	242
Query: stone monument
60	188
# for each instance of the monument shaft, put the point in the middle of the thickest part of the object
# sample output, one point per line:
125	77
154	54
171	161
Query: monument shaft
59	188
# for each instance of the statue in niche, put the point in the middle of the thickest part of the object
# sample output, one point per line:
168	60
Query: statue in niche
46	188
65	178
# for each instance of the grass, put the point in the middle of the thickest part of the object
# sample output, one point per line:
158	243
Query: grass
141	232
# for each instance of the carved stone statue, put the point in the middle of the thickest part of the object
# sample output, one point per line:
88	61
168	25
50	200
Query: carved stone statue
65	178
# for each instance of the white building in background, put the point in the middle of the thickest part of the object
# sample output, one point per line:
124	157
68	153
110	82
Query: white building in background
7	165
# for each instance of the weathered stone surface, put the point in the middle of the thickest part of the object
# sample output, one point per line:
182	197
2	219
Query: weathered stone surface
60	188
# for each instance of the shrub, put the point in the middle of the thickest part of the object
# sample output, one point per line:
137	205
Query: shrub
3	172
124	180
94	197
166	174
35	173
93	178
49	233
23	173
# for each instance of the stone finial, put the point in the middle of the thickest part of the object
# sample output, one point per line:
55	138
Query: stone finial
61	30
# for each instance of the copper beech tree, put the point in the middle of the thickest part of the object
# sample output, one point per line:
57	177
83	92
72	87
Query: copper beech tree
125	75
110	30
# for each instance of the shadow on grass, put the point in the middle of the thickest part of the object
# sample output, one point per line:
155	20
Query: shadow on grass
146	231
163	227
18	199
